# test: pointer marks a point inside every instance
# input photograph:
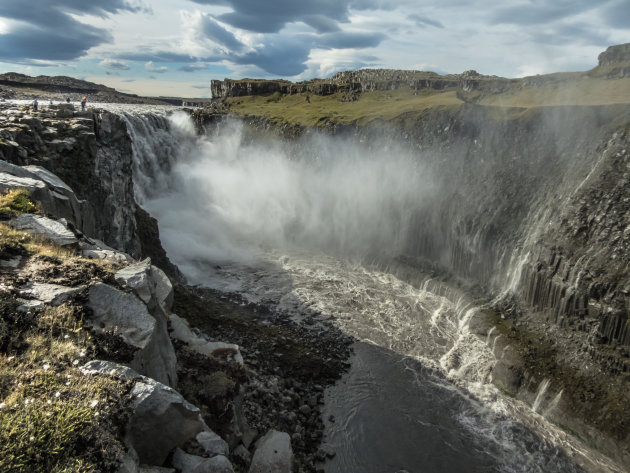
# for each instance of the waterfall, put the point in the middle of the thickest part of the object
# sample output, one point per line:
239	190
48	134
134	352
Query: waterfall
540	394
296	225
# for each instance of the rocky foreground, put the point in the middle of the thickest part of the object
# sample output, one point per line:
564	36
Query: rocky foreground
106	364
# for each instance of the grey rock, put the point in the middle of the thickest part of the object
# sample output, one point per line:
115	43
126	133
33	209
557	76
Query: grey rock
273	454
127	316
8	181
108	255
96	249
163	287
27	306
11	262
187	463
122	313
54	195
52	294
148	282
161	420
109	368
136	277
212	443
51	229
49	178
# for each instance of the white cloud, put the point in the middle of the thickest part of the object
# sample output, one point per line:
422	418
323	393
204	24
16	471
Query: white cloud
113	64
151	67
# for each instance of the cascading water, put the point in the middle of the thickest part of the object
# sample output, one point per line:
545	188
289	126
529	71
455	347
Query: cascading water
294	226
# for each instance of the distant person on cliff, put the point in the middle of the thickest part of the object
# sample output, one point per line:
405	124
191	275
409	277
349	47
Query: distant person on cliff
35	104
50	103
83	102
68	100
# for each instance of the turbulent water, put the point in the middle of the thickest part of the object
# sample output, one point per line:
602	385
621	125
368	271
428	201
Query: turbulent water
316	228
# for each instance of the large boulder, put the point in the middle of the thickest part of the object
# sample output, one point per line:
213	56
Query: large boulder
162	420
125	315
273	454
122	313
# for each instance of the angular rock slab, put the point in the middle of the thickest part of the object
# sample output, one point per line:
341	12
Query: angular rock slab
273	454
122	313
148	282
51	229
109	368
52	294
125	315
162	420
193	464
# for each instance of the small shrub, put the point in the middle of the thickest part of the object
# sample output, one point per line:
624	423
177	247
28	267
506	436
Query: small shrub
17	201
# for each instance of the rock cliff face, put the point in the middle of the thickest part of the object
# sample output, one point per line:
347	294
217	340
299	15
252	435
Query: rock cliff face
615	54
92	153
89	151
357	82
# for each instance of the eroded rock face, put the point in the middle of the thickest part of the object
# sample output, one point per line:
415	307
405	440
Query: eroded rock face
615	54
273	454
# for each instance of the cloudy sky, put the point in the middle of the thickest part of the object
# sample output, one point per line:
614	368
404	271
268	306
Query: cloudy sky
175	47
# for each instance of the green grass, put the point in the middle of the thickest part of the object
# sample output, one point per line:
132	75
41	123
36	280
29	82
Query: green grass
561	89
52	418
322	110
